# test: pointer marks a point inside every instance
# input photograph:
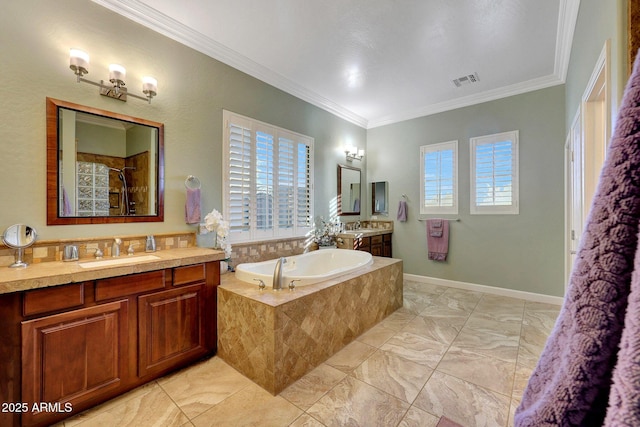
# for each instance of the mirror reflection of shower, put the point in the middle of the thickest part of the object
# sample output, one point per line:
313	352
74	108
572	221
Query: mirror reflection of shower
125	207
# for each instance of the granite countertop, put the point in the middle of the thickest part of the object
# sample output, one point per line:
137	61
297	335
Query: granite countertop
58	272
364	232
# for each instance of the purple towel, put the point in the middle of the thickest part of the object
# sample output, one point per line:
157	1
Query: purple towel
402	211
192	206
438	239
66	203
589	368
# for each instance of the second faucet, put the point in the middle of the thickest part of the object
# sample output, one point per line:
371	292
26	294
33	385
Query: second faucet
115	247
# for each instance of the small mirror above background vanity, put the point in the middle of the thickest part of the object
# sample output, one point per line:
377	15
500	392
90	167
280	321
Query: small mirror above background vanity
102	167
380	198
349	191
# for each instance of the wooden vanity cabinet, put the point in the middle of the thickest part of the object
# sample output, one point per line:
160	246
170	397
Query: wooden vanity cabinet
84	343
378	245
386	245
175	325
73	358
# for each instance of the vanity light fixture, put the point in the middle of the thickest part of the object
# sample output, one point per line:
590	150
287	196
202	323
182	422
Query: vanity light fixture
79	64
353	153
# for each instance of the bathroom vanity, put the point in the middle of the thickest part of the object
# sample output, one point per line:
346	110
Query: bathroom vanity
372	236
72	337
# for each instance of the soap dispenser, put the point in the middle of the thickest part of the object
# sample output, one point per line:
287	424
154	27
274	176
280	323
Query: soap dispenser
150	246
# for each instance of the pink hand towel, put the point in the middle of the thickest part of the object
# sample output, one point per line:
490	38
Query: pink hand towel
192	206
438	239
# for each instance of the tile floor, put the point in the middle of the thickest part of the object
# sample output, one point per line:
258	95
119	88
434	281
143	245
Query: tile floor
462	354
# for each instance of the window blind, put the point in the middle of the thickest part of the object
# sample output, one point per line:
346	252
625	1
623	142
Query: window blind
439	189
267	180
494	173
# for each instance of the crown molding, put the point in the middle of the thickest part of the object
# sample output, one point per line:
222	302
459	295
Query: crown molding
163	24
567	18
478	98
160	23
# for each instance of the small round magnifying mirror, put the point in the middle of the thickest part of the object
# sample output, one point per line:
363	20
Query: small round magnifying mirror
19	236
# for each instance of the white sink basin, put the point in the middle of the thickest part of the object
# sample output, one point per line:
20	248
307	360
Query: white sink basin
118	261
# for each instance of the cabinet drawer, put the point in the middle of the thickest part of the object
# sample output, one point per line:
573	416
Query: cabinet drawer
376	239
362	244
53	299
188	274
129	285
386	237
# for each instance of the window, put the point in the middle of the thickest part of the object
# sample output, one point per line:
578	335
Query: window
267	181
439	178
494	174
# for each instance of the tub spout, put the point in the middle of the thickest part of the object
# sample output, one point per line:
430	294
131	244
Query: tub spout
277	274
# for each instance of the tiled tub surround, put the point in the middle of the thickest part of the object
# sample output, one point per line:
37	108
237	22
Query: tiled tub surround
268	249
275	337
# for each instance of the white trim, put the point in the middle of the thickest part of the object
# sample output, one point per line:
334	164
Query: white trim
160	23
567	18
529	296
466	101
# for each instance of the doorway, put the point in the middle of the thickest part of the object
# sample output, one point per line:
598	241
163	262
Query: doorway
586	147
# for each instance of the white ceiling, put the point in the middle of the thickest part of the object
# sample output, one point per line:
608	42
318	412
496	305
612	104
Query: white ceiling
375	62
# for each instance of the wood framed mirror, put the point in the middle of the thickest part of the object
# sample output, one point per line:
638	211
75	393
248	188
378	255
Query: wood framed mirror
102	167
349	191
380	198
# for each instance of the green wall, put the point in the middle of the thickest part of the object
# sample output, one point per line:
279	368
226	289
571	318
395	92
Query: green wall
193	89
522	252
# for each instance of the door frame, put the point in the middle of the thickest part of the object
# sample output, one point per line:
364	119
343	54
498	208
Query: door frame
594	116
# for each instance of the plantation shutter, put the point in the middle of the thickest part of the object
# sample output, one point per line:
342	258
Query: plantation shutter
494	173
268	180
303	183
286	194
438	168
264	179
239	194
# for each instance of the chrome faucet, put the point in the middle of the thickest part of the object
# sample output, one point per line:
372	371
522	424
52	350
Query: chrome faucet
277	274
115	247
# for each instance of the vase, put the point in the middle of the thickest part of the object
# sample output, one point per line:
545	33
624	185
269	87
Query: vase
224	267
208	240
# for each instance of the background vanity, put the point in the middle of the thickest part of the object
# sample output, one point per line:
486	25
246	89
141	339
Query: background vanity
373	236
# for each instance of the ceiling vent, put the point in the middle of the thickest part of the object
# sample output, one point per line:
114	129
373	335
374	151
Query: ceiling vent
466	80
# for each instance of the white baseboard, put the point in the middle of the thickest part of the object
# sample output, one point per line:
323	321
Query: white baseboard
529	296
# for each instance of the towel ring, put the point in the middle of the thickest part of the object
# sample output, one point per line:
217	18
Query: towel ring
192	182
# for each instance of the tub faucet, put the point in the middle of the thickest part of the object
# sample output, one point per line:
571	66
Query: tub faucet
277	274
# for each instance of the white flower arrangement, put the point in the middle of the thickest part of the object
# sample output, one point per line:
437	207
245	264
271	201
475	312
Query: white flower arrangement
213	221
325	233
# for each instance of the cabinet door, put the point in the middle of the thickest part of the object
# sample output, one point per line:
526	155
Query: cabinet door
73	357
171	328
386	246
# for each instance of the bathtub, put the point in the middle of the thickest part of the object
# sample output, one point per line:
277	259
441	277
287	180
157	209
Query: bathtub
309	268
